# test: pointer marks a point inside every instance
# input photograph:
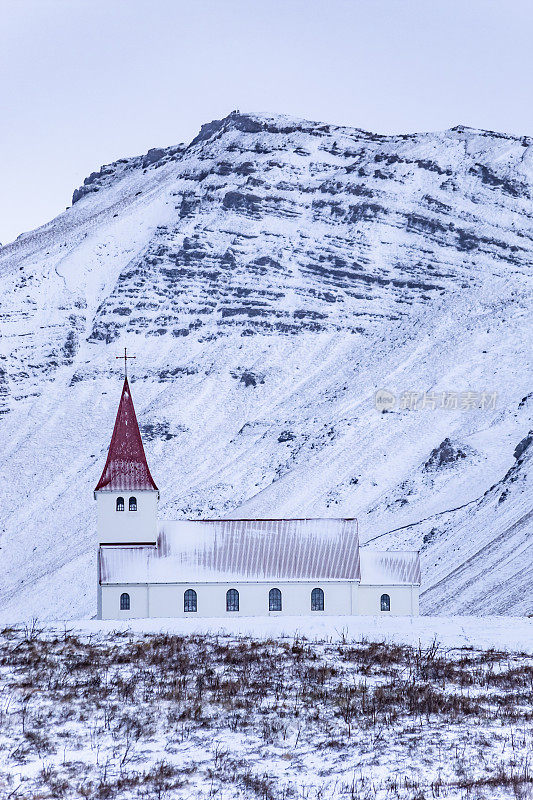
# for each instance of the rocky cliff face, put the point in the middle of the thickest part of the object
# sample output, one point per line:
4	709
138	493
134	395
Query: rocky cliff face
269	277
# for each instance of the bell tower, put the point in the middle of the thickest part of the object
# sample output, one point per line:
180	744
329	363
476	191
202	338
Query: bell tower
126	494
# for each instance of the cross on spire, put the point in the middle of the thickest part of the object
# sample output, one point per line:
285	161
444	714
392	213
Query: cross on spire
126	358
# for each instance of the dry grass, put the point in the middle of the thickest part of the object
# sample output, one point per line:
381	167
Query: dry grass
162	716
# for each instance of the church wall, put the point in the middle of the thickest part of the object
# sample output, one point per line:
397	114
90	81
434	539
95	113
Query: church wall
340	598
126	526
403	600
166	600
110	602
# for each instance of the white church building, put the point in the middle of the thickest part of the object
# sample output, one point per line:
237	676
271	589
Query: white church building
225	567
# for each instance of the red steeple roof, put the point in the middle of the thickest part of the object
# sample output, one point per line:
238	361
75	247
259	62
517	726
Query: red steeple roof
126	468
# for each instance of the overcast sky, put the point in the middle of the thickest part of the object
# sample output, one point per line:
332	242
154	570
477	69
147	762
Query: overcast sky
84	82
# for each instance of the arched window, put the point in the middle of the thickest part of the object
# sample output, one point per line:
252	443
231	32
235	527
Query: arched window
232	600
133	504
317	600
120	504
274	600
385	602
124	602
190	600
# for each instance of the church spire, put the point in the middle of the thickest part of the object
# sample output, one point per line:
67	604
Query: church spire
126	468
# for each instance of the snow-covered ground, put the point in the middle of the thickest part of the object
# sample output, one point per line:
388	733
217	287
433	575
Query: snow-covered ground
500	633
270	277
87	712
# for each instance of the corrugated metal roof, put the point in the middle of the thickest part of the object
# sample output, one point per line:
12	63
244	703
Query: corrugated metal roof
389	567
239	550
126	468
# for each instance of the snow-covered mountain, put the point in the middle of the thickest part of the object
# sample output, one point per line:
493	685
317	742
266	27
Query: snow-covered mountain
270	277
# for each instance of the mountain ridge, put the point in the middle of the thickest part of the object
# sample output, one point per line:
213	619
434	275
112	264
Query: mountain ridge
254	122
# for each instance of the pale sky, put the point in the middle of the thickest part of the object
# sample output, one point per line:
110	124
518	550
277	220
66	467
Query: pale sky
84	82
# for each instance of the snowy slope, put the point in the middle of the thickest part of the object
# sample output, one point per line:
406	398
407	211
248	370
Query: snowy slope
478	558
270	277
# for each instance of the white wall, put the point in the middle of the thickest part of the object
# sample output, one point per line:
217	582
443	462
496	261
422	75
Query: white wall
111	602
403	600
166	600
126	526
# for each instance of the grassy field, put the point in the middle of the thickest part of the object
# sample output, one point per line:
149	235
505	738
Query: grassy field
132	715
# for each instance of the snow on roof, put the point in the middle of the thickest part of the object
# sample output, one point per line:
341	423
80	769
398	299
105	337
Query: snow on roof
126	468
239	550
389	567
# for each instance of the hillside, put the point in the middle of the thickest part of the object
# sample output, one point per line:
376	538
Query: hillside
270	277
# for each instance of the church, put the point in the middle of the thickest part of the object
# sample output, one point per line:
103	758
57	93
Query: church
228	567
